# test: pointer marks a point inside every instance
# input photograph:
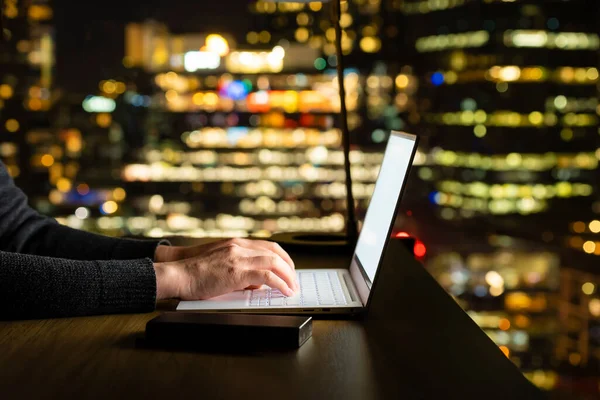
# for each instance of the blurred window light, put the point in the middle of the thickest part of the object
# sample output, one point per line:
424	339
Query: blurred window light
199	60
452	41
552	40
98	104
82	213
255	61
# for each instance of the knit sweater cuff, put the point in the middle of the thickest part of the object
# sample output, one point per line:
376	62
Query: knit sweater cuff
129	249
127	286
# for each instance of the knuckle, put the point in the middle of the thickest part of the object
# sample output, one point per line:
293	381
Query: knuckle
267	275
232	242
232	249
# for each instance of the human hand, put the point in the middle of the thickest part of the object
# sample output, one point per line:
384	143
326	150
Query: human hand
175	253
224	266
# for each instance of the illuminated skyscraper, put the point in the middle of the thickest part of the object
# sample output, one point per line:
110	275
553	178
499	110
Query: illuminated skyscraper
578	343
237	139
508	101
372	46
25	91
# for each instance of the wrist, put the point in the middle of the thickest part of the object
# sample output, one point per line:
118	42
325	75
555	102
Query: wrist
167	253
167	277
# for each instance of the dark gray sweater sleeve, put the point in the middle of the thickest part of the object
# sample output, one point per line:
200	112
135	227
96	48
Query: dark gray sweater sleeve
45	287
43	272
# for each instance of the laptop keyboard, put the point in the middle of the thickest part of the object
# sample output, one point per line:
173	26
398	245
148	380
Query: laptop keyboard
316	289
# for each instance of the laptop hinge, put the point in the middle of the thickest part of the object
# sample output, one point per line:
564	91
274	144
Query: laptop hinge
350	286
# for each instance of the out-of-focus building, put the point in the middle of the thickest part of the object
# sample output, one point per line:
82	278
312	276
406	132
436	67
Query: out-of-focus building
513	296
231	139
578	342
372	45
509	103
27	146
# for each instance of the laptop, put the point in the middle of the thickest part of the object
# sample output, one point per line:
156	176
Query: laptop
336	291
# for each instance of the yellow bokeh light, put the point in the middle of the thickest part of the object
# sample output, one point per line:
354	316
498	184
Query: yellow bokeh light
34	104
566	134
119	194
171	95
588	288
47	160
63	185
370	44
6	91
198	98
217	44
120	87
589	247
109	87
301	35
346	20
110	207
40	12
505	350
103	120
575	358
509	74
11	11
595	226
128	62
252	37
450	77
594	307
315	6
55	197
592	74
522	321
12	125
402	81
302	19
536	118
578	227
480	131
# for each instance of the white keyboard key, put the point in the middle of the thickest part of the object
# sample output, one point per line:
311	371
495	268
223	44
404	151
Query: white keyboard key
317	288
277	301
292	301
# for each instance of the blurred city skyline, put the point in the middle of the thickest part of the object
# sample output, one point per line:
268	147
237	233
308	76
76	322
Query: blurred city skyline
220	119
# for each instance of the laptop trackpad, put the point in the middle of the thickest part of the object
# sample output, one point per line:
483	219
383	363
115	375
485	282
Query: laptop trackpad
238	299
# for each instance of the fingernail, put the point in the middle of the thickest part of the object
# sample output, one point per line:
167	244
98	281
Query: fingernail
290	293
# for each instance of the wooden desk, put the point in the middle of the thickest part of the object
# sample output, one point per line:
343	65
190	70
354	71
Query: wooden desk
420	345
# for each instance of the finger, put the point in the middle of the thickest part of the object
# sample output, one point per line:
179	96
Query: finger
271	246
266	277
252	287
275	264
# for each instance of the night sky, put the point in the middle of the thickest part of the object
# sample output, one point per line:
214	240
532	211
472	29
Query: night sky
90	34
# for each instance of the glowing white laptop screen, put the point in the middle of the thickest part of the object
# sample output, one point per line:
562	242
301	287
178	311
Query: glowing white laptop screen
381	211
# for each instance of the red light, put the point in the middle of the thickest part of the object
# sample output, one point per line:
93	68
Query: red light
420	250
402	235
409	213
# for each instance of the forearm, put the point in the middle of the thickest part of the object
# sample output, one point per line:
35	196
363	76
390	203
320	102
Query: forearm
54	240
43	287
